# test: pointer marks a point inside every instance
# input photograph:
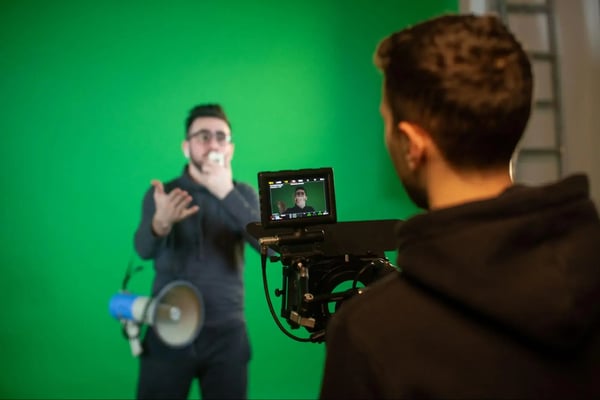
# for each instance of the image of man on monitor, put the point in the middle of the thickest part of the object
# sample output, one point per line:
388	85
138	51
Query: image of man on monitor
300	199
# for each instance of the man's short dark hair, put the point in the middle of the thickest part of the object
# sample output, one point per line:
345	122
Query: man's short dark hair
299	188
464	79
205	110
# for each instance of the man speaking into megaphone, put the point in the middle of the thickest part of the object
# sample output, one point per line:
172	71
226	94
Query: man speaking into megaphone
194	228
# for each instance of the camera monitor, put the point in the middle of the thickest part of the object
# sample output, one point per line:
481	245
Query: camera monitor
297	198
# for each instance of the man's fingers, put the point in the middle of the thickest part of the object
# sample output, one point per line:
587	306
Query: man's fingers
158	186
189	211
181	203
174	205
179	197
175	193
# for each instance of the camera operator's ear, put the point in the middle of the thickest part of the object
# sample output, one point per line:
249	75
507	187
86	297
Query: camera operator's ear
417	141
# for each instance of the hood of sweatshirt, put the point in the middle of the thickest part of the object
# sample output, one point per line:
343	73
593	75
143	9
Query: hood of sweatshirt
528	260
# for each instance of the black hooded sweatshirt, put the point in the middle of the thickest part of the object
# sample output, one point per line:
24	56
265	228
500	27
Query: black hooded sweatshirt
495	299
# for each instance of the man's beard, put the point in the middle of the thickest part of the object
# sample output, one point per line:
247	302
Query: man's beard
196	164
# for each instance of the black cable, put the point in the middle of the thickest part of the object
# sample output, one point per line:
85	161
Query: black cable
270	305
128	274
362	271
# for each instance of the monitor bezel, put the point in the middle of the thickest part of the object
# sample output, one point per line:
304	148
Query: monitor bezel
264	179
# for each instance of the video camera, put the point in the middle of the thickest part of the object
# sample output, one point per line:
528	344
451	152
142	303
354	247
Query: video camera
325	262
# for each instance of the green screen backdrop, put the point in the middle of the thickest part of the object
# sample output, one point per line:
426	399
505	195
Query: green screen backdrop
93	95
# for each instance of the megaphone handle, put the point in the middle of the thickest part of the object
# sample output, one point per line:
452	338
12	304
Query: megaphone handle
133	334
136	347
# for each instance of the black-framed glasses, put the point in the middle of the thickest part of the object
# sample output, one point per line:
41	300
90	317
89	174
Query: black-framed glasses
204	136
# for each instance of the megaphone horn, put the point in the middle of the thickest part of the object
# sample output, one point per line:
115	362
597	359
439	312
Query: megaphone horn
176	313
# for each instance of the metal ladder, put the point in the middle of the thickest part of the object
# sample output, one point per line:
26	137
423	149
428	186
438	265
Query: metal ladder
539	156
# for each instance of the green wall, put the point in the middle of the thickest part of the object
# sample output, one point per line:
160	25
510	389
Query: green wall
92	99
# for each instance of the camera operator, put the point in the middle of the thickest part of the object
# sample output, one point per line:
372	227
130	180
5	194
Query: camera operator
499	294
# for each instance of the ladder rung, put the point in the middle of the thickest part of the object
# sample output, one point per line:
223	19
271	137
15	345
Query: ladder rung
542	56
545	104
540	151
526	8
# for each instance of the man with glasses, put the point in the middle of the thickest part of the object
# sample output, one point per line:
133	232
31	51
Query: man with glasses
193	227
300	202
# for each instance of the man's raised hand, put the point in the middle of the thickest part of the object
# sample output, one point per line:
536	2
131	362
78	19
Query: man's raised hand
171	208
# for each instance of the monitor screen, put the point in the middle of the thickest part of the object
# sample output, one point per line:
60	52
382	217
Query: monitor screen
297	198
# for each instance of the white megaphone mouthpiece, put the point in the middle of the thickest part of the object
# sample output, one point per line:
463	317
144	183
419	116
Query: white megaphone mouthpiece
176	313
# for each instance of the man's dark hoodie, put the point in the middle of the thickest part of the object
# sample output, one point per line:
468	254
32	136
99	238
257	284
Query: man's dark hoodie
495	299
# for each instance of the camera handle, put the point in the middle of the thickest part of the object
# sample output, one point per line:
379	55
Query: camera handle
315	337
299	236
296	286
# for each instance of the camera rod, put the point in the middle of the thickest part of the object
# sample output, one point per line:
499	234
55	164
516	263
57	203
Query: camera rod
299	236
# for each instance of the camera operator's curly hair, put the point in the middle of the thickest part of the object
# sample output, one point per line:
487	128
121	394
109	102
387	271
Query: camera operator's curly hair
464	79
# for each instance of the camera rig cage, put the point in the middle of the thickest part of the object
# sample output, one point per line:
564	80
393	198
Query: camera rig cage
325	262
